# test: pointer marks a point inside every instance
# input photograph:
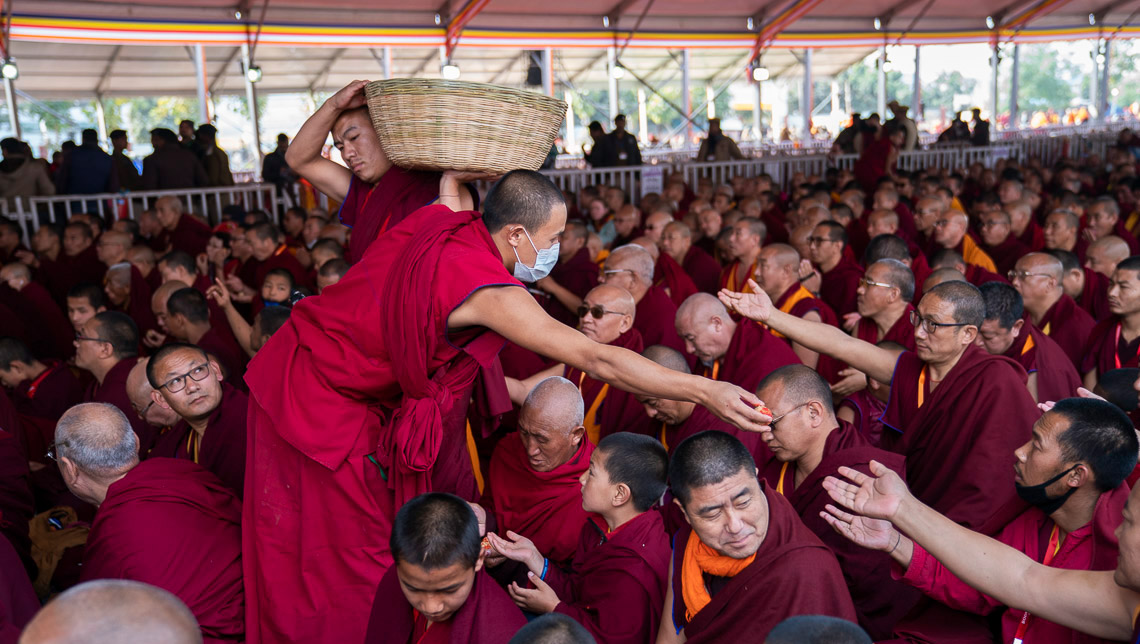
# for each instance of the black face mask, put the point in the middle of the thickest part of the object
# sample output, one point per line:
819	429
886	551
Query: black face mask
1036	495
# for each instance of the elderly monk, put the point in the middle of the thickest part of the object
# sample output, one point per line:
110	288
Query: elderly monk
437	591
1023	225
1104	254
744	246
114	611
667	272
1038	278
1050	566
631	268
139	391
950	233
1006	333
616	586
180	230
677	242
840	275
213	414
955	411
84	301
54	329
573	276
41	389
884	304
532	484
188	320
107	346
999	242
777	272
398	398
1062	232
375	194
729	351
738	568
146	261
128	292
807	443
163	522
1115	341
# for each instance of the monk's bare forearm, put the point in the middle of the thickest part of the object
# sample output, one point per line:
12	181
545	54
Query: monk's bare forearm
630	372
826	339
240	329
304	154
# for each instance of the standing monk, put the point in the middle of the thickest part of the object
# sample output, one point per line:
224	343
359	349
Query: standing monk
364	391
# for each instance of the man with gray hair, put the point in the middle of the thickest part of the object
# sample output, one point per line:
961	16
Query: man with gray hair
631	267
1038	277
165	522
114	611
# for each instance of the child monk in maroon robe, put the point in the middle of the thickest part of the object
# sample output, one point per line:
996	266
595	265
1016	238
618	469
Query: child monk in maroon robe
355	409
740	569
616	585
437	592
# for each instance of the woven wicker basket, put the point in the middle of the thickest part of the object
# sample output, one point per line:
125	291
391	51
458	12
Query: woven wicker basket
453	125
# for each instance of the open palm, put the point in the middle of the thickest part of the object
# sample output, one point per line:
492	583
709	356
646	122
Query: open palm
754	306
878	496
873	534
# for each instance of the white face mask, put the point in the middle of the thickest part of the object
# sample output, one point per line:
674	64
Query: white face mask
544	262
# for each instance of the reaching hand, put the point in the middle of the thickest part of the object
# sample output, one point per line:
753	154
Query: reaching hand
850	321
349	97
738	406
541	599
853	380
154	339
878	496
220	294
754	306
873	534
1081	393
518	548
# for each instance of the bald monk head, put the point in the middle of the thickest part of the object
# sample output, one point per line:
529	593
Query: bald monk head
885	290
117	284
112	247
714	469
747	238
941	276
801	399
1020	214
114	611
1102	216
649	245
17	275
94	446
553	628
607	312
882	222
1060	230
149	226
330	273
139	392
178	266
817	629
142	258
550	423
1004	322
777	269
1037	276
631	268
676	240
1072	275
1104	254
627	219
926	212
948	318
525	214
573	240
950	228
435	543
670	412
710	221
159	299
995	227
169	211
705	326
655	225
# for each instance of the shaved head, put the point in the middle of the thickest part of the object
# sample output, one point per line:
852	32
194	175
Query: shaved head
117	238
650	247
114	611
942	276
556	400
120	275
613	298
781	254
166	289
632	258
667	357
142	255
799	385
700	308
15	271
1042	263
679	228
139	392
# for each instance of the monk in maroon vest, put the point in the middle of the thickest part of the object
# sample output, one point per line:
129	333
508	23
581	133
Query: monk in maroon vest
164	522
677	242
777	273
435	543
738	570
1038	278
840	274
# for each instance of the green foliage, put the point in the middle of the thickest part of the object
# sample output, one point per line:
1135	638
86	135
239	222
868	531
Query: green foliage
949	91
1048	80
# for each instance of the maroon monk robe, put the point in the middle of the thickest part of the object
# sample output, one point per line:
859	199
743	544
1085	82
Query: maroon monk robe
282	258
1038	353
73	270
24	323
879	600
956	437
798	301
674	279
17	505
616	586
11	325
839	285
1094	295
189	236
772	588
868	411
1069	325
18	601
137	306
704	420
977	276
545	507
655	319
578	275
902	331
52	320
729	277
50	394
1032	237
1121	231
487	617
753	353
113	391
610	410
222	446
222	345
907	229
218	318
1107	349
1006	254
322	396
371	210
857	237
704	270
172	524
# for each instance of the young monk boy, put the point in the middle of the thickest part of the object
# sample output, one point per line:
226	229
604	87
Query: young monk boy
616	587
437	591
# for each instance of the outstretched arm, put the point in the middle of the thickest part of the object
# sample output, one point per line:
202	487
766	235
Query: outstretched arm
514	314
817	336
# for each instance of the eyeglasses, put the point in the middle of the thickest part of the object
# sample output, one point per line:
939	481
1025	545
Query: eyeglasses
930	326
772	423
941	223
615	271
53	452
864	282
178	383
82	338
816	241
1013	275
142	412
597	311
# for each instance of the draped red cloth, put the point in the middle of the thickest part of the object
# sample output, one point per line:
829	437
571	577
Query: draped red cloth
839	285
56	391
1069	326
223	445
1006	254
189	236
172	524
879	600
50	318
902	331
322	437
655	319
675	280
868	412
487	617
1033	237
752	354
964	432
772	588
545	507
1102	352
17	504
1056	376
704	270
371	210
18	601
616	586
1094	295
617	411
702	420
113	391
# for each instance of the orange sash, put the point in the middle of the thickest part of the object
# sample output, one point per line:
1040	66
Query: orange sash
975	256
796	298
1029	344
593	429
780	482
699	559
731	284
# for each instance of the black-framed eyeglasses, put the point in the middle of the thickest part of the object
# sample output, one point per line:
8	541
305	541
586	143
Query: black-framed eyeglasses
178	383
82	338
598	311
818	241
142	412
930	326
772	423
53	451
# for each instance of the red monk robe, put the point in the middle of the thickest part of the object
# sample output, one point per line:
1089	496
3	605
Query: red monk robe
220	343
879	601
799	301
977	276
52	320
839	285
867	411
702	420
189	236
18	601
655	319
1006	254
1107	349
545	507
673	278
704	270
772	588
610	410
487	617
956	437
22	320
50	394
221	448
1033	236
218	319
17	505
172	524
1069	326
72	270
1094	295
113	391
137	306
616	586
1038	353
323	392
753	353
902	331
1092	547
282	258
730	277
371	210
578	275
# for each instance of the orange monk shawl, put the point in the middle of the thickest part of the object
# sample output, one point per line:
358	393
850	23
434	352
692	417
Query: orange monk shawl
699	559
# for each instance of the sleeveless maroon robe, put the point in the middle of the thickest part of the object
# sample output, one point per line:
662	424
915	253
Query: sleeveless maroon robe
222	345
656	320
49	395
223	444
704	270
370	211
902	331
1056	376
1102	352
18	601
674	278
1069	326
56	328
1006	254
826	366
1094	295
